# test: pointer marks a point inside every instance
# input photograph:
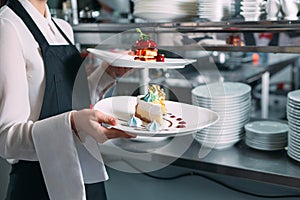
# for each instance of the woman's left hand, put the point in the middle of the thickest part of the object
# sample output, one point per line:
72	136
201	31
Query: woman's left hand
89	121
116	71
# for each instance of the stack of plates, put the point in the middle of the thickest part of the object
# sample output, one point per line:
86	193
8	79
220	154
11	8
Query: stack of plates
165	10
251	10
266	135
293	116
232	101
216	10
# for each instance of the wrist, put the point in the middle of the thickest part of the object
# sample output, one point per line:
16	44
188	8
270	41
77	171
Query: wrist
73	126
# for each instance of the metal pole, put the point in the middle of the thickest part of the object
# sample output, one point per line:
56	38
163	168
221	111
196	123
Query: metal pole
265	95
144	78
74	6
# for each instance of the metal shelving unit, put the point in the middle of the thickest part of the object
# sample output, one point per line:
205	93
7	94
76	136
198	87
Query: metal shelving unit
92	32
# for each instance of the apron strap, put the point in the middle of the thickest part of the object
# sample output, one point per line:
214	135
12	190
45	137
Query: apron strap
61	32
16	6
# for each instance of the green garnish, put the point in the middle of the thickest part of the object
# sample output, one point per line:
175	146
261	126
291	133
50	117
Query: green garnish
142	35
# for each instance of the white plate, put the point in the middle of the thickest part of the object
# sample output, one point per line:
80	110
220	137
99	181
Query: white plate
219	145
124	60
159	16
123	107
265	148
149	139
226	90
294	95
266	127
222	99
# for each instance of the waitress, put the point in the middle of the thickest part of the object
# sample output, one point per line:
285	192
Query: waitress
47	142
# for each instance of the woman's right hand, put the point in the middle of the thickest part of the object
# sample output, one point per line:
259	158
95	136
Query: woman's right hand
90	121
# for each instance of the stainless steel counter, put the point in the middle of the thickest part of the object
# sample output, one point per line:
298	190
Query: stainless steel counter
273	167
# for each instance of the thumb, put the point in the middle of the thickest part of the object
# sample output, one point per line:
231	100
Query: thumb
107	119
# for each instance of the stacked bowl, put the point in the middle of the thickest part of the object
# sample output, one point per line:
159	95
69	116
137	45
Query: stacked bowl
293	116
252	10
232	102
216	10
165	10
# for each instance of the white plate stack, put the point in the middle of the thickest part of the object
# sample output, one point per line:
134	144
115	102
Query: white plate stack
165	10
232	101
252	10
293	116
216	10
266	135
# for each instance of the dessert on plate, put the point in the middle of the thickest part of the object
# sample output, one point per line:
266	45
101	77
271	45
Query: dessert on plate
151	107
145	49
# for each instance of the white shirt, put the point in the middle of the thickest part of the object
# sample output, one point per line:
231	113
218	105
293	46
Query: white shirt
22	85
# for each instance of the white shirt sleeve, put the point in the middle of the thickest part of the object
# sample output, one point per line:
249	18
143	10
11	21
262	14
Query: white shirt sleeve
15	129
22	135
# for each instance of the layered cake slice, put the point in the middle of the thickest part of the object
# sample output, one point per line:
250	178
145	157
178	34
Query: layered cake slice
151	107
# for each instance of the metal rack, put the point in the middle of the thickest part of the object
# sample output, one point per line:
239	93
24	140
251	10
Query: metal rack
92	31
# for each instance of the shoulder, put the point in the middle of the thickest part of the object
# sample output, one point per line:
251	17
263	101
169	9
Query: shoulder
63	24
8	21
7	16
65	27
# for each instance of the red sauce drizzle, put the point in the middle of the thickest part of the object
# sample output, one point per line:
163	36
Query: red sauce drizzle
180	126
171	123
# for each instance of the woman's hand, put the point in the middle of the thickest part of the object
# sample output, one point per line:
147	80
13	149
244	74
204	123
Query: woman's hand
116	71
89	121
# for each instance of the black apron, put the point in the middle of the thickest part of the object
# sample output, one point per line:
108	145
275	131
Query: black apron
62	63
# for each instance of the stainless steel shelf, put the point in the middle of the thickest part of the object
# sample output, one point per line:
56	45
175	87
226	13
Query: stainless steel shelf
230	26
266	49
93	30
196	49
230	48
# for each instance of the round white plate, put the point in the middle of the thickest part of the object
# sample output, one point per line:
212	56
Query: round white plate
266	127
294	95
159	16
292	110
221	102
124	60
264	148
293	104
224	106
219	145
123	107
148	139
222	90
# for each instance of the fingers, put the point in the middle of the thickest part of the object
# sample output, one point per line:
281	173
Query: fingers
110	133
114	133
118	71
103	118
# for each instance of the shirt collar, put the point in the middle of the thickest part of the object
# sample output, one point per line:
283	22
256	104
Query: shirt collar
37	17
